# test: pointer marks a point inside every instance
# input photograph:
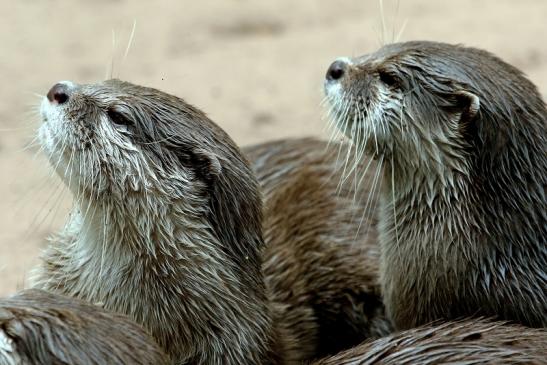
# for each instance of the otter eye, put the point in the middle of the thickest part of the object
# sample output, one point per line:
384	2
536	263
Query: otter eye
118	118
388	79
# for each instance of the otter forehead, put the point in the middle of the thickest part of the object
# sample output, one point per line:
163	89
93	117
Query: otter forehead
412	58
145	114
148	102
465	66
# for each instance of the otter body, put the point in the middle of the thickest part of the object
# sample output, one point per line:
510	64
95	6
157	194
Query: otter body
167	228
38	328
455	342
463	218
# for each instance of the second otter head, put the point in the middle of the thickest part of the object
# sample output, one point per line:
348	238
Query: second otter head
412	98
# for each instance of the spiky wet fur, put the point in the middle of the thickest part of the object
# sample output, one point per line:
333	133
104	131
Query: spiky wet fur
463	221
38	327
321	259
476	341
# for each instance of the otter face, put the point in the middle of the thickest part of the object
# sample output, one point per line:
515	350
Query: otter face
403	99
117	139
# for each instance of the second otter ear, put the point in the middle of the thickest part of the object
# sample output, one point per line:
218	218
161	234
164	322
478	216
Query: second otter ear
470	104
208	161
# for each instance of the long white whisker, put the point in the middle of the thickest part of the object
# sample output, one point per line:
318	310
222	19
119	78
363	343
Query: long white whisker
393	201
369	206
130	42
383	19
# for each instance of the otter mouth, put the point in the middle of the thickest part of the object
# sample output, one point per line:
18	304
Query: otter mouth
347	113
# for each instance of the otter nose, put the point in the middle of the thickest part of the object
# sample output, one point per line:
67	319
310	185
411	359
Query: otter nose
59	93
336	70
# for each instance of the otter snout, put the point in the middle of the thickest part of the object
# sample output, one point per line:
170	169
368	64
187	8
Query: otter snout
337	71
59	93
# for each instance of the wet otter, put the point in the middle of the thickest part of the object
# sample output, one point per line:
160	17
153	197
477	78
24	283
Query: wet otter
166	228
462	138
37	327
454	342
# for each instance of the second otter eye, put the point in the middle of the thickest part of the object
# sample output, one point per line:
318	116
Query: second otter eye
388	79
118	118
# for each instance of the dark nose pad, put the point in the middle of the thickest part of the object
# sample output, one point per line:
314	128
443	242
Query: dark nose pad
336	70
58	93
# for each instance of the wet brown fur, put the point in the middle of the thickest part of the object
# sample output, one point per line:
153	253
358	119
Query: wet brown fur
474	341
318	262
44	328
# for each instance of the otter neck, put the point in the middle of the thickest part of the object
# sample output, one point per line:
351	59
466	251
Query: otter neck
424	232
449	238
160	263
417	200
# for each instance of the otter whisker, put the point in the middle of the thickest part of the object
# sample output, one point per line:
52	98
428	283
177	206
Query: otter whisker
343	123
357	149
396	224
401	31
383	20
330	126
103	248
334	116
70	166
345	174
130	41
110	66
40	216
62	150
30	146
364	173
56	207
368	211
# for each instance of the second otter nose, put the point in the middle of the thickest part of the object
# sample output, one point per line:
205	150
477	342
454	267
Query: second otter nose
336	70
58	93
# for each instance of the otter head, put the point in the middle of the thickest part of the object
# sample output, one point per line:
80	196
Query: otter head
115	139
406	99
429	103
148	160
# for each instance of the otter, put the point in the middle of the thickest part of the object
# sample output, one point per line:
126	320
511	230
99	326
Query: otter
476	341
37	327
462	138
167	229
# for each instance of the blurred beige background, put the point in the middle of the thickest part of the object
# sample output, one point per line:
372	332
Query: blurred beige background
256	67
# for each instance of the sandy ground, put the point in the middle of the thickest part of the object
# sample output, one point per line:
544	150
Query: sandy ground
256	67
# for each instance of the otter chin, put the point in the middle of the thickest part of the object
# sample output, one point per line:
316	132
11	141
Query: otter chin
461	137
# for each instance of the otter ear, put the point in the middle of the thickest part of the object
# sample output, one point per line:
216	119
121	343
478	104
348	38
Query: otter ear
470	105
208	161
